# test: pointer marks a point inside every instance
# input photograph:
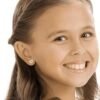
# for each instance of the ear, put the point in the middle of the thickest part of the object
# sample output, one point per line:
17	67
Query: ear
24	52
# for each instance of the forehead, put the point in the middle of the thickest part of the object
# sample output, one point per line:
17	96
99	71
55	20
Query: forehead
73	15
67	7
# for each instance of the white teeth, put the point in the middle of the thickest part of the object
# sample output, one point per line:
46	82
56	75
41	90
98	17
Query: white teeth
76	66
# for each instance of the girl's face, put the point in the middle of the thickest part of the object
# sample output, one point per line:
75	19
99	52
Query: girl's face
64	45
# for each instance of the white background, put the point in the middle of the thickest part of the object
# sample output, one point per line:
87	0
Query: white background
6	51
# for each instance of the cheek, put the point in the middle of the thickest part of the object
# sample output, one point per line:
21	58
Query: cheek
49	62
50	57
93	52
93	48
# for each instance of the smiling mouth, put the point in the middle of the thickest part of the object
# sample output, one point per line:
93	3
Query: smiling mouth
80	66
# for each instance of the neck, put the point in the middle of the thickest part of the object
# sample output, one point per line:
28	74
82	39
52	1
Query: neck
63	92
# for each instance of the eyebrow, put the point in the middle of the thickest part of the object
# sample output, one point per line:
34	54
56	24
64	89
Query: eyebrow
68	31
88	27
57	32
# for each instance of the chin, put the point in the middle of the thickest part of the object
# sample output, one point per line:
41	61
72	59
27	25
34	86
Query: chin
80	84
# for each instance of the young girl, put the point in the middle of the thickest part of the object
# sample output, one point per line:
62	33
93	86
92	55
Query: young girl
56	51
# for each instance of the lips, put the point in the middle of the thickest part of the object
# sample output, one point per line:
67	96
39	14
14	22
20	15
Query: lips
76	66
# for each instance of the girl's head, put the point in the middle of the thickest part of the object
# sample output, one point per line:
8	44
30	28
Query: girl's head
55	45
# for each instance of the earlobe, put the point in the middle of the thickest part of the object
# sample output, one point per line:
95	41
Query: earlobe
24	52
31	62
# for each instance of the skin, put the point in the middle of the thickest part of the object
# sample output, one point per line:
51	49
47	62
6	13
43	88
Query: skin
63	34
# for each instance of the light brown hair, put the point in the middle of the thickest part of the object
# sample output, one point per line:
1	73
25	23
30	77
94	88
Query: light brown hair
25	84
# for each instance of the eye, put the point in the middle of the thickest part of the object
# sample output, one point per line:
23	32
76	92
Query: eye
87	35
60	38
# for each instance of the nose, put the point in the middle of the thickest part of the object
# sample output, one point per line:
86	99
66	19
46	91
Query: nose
77	48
